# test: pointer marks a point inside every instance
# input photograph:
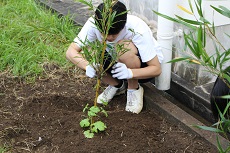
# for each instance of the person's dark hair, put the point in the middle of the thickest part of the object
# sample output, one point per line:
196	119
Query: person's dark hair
118	22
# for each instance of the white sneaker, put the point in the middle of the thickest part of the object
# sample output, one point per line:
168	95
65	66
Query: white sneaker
135	100
108	94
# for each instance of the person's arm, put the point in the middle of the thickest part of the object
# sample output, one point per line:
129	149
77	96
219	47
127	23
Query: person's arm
73	54
121	71
152	70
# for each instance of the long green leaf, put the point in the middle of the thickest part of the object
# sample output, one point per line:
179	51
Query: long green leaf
188	21
187	43
227	77
198	7
227	107
200	40
226	97
175	20
222	117
224	11
192	43
178	59
88	3
225	57
190	5
208	128
219	145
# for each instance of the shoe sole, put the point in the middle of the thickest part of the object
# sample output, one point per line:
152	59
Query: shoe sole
121	92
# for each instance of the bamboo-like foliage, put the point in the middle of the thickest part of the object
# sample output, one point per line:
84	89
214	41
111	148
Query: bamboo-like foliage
195	41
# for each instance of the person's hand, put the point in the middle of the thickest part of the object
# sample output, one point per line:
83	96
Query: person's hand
90	71
121	71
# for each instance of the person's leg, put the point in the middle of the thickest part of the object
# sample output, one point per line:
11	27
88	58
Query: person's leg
134	92
131	60
116	87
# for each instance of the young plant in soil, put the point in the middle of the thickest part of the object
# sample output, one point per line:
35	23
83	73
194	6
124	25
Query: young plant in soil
94	53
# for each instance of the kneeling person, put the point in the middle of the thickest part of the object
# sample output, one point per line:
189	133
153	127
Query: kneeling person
138	64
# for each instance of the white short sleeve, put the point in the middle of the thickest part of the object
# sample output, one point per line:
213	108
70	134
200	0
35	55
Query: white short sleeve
87	33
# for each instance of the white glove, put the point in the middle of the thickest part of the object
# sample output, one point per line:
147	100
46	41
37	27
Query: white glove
90	71
121	71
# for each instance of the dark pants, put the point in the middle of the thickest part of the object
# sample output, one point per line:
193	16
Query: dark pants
107	61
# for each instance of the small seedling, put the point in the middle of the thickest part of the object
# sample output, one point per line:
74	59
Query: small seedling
93	127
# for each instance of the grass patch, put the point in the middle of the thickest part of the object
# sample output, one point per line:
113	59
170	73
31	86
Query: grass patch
31	36
2	150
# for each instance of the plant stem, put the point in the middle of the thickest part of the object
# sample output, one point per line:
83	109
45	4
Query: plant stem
97	91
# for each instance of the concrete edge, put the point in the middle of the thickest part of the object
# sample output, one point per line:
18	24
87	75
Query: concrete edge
155	99
192	97
67	7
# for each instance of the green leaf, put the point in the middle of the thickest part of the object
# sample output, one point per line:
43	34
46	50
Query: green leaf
104	112
222	117
86	107
226	97
222	10
226	125
228	149
227	107
213	28
175	20
178	59
99	125
85	123
219	145
225	56
88	134
190	5
89	4
199	7
188	21
200	39
94	109
91	114
192	46
208	128
227	77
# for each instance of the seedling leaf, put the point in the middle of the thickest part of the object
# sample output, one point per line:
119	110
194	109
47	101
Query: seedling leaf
99	125
91	114
104	112
88	134
94	109
86	107
85	123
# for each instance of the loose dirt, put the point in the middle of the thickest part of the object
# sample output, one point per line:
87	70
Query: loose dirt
43	117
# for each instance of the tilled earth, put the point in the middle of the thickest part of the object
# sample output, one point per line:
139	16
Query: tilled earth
44	116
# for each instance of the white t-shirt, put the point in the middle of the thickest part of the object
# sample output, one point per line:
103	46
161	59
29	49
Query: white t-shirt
135	30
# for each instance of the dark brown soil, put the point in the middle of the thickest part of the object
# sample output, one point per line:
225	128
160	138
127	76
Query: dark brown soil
44	118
